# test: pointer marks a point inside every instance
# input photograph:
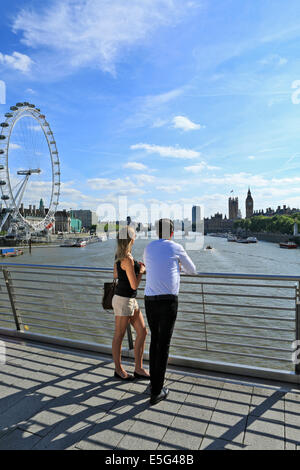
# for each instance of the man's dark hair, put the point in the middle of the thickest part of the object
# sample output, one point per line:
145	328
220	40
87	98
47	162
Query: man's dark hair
164	228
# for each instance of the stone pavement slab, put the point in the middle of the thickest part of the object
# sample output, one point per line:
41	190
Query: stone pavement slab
54	398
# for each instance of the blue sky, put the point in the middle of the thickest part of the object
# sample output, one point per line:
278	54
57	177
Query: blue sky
162	100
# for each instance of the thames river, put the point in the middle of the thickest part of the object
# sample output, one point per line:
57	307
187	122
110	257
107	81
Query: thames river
225	257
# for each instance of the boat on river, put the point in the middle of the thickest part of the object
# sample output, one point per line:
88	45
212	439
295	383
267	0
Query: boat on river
67	244
10	252
289	245
252	240
77	242
231	238
80	242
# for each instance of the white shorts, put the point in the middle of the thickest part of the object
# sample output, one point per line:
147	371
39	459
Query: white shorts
124	306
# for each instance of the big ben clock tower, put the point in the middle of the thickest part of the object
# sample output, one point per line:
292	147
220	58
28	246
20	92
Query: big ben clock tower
249	205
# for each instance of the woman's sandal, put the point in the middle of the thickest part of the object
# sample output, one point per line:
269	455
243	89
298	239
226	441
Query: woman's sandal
141	377
128	378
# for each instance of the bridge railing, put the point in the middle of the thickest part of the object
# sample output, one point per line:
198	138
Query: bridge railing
236	323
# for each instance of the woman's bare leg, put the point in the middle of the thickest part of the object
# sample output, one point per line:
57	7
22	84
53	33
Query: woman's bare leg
120	329
138	323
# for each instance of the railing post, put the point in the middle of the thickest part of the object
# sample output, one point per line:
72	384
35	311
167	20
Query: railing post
204	317
129	337
297	364
10	291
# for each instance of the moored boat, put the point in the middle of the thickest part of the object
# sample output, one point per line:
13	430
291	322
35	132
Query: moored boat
289	245
231	238
10	252
80	243
252	240
242	240
67	244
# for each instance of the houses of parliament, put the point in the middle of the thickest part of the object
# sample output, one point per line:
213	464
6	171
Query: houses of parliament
233	207
217	223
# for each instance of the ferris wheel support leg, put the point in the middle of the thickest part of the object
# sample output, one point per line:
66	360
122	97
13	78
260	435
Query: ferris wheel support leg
3	221
21	191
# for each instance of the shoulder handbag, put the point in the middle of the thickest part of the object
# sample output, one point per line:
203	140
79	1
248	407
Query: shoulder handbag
109	292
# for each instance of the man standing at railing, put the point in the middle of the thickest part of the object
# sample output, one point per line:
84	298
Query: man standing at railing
162	258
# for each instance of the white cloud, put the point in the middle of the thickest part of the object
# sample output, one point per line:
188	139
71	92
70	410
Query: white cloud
13	146
251	157
16	61
96	32
274	59
247	179
147	109
135	166
200	167
142	179
171	188
160	122
184	123
111	184
173	152
163	98
131	192
119	186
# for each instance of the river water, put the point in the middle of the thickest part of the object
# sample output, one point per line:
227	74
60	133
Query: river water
224	257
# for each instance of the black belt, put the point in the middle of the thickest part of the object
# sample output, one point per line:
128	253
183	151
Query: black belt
161	297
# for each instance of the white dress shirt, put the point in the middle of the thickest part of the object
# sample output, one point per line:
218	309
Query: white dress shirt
161	258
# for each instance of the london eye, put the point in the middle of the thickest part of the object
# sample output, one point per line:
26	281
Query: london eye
29	170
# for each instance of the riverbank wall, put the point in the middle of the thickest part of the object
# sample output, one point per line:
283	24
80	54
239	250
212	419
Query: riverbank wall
274	237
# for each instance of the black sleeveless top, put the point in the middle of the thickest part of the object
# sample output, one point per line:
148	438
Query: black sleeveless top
123	287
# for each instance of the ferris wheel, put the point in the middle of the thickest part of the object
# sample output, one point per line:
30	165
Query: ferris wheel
29	170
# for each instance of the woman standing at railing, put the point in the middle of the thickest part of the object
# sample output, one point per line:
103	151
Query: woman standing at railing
129	273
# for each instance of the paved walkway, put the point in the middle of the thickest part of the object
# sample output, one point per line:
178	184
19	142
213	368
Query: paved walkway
51	398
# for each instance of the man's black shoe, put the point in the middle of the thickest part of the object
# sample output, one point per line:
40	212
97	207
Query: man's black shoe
161	396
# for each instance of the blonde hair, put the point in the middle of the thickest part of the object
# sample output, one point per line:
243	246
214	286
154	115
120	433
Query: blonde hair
124	237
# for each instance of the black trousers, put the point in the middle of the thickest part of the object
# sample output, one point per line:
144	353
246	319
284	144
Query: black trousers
161	316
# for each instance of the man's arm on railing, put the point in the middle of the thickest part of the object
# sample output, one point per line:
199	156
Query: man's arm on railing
187	264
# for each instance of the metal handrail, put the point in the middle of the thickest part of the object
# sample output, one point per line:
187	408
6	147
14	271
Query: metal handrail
199	274
31	301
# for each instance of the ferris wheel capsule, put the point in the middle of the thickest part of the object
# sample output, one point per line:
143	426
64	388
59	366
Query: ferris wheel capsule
2	137
4	197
